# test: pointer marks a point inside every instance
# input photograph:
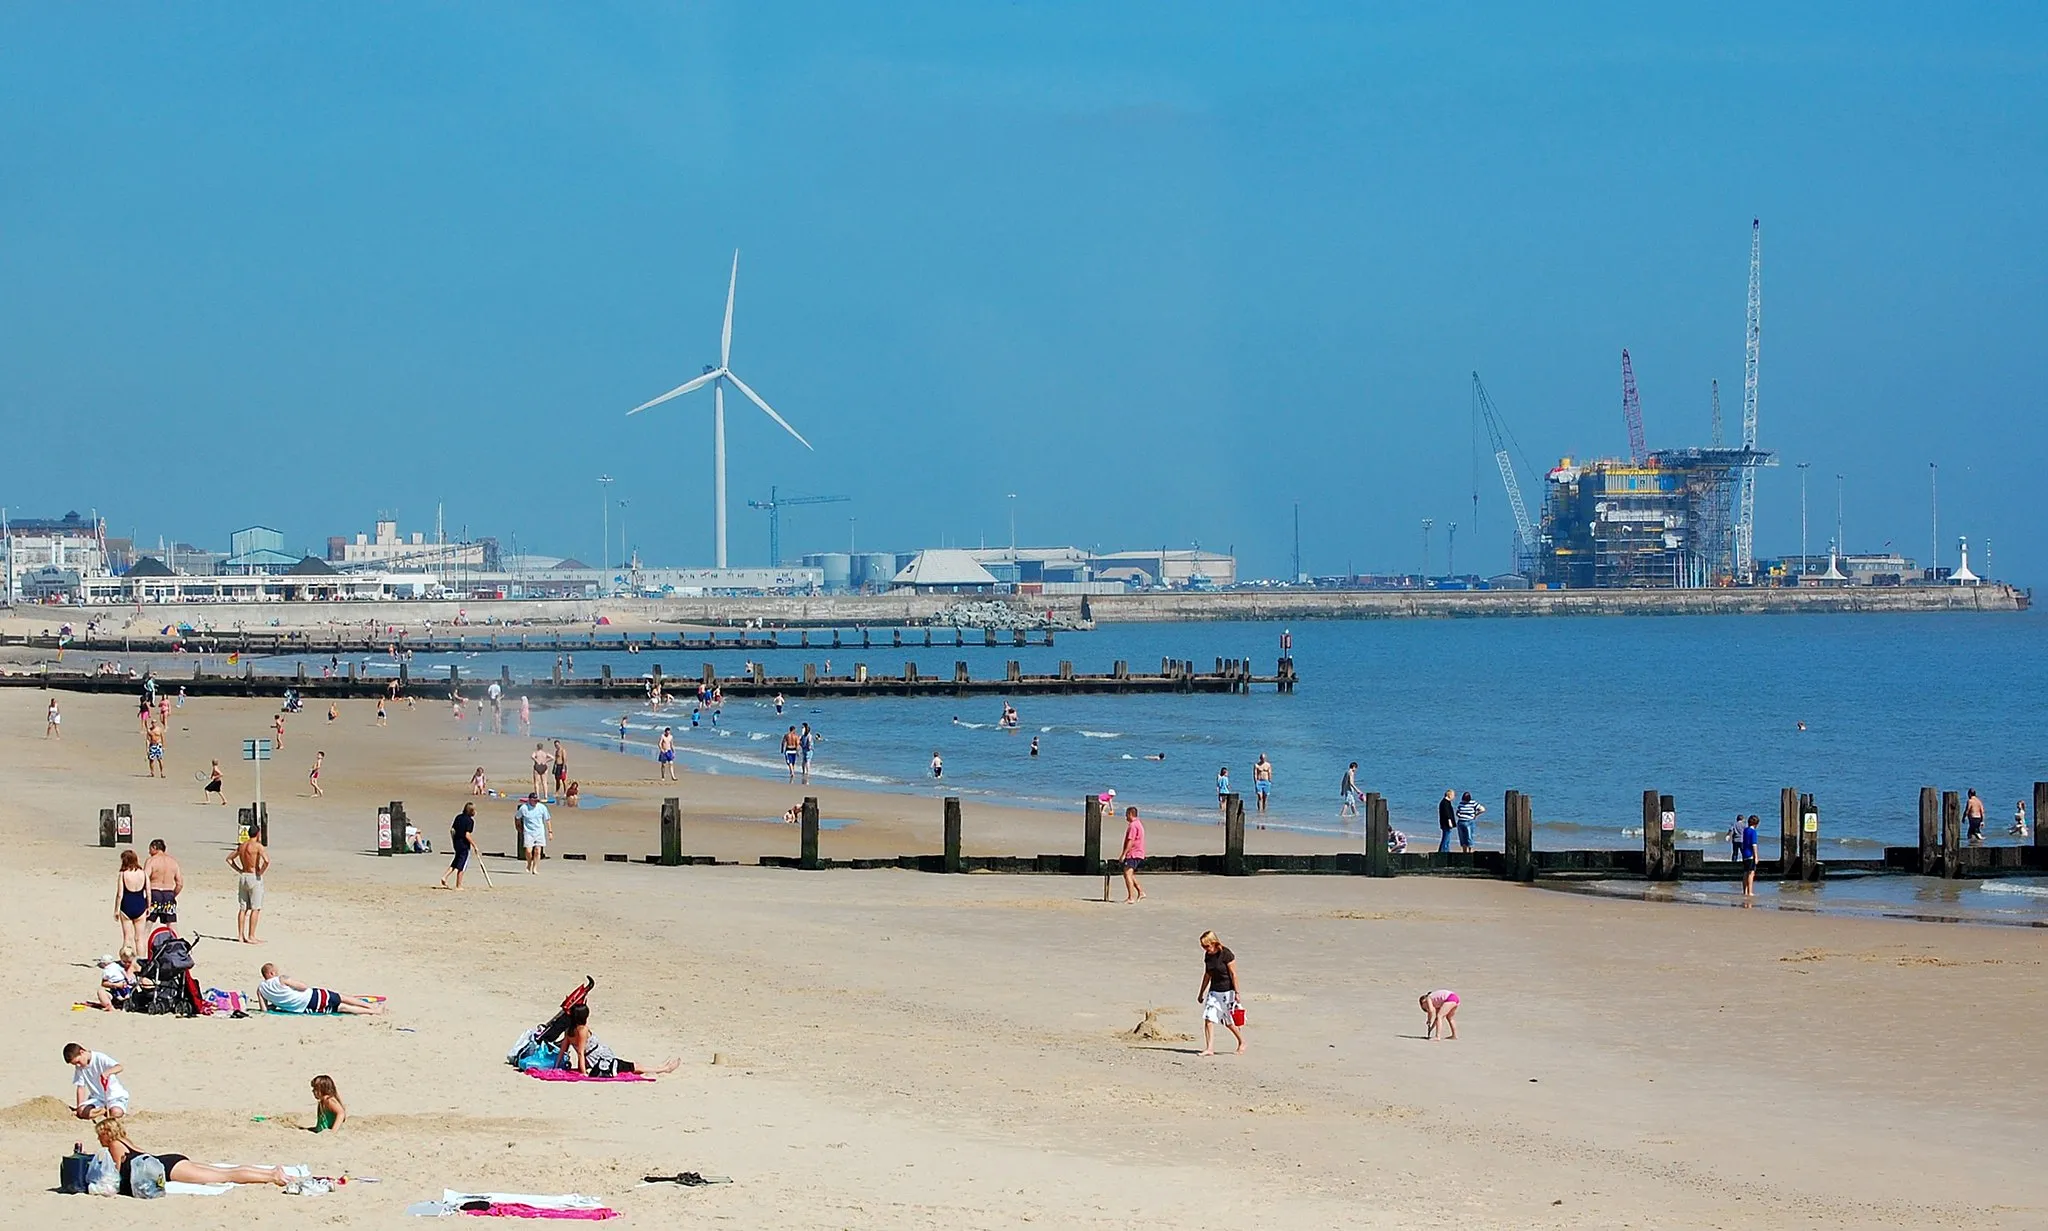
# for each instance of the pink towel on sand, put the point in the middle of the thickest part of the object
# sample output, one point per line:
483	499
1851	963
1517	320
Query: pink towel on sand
512	1209
569	1075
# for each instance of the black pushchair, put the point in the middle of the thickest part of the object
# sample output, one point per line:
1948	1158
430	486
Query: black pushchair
549	1032
167	984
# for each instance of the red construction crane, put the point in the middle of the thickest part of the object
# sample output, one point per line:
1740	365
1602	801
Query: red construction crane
1632	413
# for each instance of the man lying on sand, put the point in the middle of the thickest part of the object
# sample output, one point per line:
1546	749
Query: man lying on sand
282	994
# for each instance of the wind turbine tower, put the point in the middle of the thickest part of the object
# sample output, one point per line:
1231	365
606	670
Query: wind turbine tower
717	378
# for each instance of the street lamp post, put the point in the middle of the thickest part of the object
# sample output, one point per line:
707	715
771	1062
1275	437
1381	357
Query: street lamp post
604	500
1012	498
625	556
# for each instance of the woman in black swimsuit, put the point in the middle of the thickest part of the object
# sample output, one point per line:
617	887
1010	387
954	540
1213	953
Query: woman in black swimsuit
114	1139
131	899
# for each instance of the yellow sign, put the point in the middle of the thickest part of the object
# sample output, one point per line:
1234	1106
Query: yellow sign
1813	822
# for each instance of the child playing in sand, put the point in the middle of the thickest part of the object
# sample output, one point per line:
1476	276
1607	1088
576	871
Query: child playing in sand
96	1084
1441	1008
328	1112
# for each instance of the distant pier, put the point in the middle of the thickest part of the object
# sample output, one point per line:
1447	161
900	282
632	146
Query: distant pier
361	642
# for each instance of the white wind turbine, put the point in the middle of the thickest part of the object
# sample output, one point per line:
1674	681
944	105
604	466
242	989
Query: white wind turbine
716	378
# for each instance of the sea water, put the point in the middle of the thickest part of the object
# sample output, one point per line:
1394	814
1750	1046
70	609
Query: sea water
1582	714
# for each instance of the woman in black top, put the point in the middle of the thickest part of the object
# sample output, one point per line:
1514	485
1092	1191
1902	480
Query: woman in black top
114	1140
459	832
1218	996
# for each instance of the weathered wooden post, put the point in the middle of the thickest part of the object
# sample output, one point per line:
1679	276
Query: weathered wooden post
1379	861
2040	842
951	861
1809	840
1788	832
1233	835
807	851
1653	838
1930	832
1951	834
262	830
671	832
1091	835
1525	829
106	827
1667	837
1509	811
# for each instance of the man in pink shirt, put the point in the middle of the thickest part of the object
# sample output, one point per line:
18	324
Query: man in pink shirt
1134	854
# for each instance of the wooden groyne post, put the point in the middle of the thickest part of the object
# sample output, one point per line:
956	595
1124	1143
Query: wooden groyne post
106	827
1951	834
1660	833
2040	840
1930	832
671	832
1233	835
1788	832
951	861
1520	838
807	848
1379	861
1809	840
1091	835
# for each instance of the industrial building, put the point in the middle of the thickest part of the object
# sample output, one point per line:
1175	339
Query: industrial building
1025	570
1665	522
384	547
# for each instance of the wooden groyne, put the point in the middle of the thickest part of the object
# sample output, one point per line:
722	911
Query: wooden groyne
1229	676
1941	852
362	642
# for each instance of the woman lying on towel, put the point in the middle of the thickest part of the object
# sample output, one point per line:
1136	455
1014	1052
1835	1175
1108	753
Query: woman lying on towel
583	1053
114	1140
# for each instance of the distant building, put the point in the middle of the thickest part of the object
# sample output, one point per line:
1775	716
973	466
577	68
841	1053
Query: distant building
1193	569
255	551
1865	569
945	570
70	547
1664	524
384	547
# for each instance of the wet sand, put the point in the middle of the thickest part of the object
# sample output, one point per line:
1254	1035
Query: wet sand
900	1049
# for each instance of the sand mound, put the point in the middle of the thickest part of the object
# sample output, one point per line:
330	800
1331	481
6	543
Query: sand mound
1150	1030
42	1109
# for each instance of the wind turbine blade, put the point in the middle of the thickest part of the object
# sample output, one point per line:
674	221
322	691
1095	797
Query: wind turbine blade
725	340
755	398
677	392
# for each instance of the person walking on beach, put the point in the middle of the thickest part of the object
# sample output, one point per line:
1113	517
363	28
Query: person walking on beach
166	881
1973	812
1133	856
1262	781
313	777
536	828
53	722
1749	858
806	740
460	841
1469	811
665	754
1223	790
938	765
1347	792
1446	820
383	719
131	899
153	735
216	785
526	715
277	730
250	861
1735	840
1219	994
560	767
540	768
791	750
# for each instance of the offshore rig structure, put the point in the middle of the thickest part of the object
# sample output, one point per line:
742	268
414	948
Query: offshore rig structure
1682	518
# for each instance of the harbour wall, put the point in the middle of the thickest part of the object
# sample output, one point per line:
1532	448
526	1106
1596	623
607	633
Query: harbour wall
885	610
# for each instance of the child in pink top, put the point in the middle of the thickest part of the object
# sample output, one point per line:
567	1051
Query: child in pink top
1134	855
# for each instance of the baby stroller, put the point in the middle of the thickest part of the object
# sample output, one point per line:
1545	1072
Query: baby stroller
536	1048
167	984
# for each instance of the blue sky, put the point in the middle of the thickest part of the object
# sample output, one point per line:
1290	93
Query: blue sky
1161	270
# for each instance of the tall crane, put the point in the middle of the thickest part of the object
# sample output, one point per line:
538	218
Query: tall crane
1745	520
775	503
1717	414
1525	533
1632	413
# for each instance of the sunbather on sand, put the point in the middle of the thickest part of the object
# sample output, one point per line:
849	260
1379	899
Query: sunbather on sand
583	1053
284	994
114	1139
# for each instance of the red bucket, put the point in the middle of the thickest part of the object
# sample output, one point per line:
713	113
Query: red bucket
1237	1015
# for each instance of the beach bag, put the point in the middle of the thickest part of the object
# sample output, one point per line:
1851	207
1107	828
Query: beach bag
146	1176
102	1177
540	1056
74	1173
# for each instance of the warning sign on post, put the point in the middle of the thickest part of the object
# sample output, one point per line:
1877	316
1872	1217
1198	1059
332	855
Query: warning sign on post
1811	822
383	829
1668	821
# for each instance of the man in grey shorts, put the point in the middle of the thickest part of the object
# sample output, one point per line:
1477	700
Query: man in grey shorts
250	861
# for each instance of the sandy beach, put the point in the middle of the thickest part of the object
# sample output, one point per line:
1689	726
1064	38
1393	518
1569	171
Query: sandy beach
884	1049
